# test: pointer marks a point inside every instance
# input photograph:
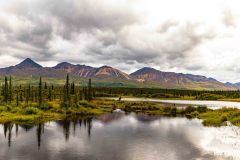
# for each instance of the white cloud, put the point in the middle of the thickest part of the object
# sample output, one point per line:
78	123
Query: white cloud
190	36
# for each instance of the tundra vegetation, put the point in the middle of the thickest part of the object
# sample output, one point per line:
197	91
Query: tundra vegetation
34	104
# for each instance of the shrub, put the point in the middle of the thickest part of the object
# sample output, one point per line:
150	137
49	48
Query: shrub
31	110
190	109
16	110
202	109
166	110
46	106
3	108
209	96
194	114
224	119
173	111
83	103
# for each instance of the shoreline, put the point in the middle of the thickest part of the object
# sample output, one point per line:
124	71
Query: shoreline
32	115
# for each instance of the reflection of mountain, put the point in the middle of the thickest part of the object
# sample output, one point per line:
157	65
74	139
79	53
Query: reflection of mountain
108	118
146	118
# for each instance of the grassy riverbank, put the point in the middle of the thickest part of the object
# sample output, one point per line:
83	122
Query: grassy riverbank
32	114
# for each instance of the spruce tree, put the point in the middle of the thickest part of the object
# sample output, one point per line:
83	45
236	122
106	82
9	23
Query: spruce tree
40	92
89	90
67	91
94	93
17	99
73	88
32	94
49	94
28	94
10	90
6	90
85	93
64	94
21	95
80	94
45	85
2	90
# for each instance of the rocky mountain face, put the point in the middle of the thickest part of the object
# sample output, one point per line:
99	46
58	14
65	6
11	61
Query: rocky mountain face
148	76
176	80
151	74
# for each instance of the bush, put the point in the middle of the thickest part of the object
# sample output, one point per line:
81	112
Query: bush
224	119
173	111
190	109
194	114
83	103
209	96
166	110
46	106
86	104
16	110
31	110
3	108
202	109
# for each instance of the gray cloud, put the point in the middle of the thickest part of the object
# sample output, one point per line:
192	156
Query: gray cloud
102	32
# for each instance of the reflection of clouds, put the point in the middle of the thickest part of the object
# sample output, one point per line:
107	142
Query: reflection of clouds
210	104
222	141
98	124
130	137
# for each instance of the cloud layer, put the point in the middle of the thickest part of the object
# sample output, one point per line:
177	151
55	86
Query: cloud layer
190	36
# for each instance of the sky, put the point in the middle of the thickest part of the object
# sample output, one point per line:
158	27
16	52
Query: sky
188	36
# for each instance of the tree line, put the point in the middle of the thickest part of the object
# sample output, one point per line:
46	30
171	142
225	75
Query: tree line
68	94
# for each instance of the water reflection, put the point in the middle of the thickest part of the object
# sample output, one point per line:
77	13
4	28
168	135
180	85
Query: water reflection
8	132
120	137
40	131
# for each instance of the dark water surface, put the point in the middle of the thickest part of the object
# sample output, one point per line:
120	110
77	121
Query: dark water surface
119	137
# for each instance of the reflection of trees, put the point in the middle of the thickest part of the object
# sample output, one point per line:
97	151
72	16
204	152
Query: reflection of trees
16	129
8	132
66	129
40	131
26	127
89	127
66	125
74	126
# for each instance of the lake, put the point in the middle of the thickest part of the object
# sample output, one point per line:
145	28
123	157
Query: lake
120	137
183	103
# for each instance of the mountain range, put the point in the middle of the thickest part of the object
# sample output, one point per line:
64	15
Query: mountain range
145	77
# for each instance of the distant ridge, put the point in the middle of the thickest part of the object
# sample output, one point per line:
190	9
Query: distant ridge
148	77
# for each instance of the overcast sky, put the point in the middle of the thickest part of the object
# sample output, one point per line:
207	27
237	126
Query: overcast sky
189	36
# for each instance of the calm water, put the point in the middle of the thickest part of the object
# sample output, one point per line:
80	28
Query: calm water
119	137
182	103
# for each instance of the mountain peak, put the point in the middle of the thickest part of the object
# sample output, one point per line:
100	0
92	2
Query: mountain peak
105	66
144	70
28	63
63	65
110	71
